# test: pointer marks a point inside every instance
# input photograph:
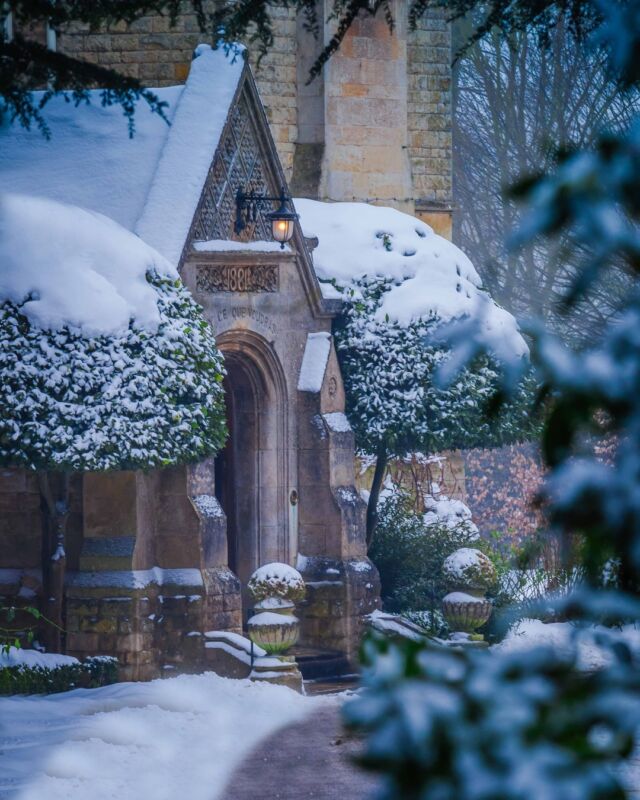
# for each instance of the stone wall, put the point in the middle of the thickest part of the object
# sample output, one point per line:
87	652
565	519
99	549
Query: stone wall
148	49
276	77
339	596
498	485
376	126
429	119
153	628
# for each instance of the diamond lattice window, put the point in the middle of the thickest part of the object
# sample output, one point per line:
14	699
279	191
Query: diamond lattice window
238	163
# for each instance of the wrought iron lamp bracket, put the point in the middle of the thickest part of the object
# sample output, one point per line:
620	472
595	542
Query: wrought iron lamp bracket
249	203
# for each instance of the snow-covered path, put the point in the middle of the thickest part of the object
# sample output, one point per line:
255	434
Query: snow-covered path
168	739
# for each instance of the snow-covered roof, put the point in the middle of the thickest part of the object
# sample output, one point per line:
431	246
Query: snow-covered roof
430	274
184	163
150	184
79	268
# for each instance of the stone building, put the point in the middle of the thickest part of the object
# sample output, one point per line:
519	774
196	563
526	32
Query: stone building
375	126
155	560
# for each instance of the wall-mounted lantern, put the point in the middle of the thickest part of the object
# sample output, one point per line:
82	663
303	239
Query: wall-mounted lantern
282	220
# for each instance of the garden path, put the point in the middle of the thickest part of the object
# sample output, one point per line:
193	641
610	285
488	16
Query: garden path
307	760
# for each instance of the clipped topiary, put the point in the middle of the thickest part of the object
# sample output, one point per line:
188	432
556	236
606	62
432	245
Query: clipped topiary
469	569
277	580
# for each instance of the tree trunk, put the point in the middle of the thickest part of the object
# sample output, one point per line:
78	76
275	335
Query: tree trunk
382	457
56	514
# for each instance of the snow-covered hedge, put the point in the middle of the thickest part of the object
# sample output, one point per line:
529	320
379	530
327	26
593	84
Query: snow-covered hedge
118	371
390	368
48	673
130	400
427	275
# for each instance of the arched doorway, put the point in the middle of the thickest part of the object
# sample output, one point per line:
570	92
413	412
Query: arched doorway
251	472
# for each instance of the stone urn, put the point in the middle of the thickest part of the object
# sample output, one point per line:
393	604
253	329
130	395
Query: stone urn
470	573
275	588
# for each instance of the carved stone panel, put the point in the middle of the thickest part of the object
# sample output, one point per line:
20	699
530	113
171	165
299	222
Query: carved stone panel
213	278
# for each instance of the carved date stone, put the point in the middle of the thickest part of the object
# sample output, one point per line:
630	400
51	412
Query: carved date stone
215	278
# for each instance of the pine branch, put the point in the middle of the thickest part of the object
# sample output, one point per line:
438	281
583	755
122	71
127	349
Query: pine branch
26	66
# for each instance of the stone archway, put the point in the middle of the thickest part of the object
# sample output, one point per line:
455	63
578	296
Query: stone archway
252	470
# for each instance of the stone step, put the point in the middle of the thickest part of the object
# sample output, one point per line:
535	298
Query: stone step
321	664
230	654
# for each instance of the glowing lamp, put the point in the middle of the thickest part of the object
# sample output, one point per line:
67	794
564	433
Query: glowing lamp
283	220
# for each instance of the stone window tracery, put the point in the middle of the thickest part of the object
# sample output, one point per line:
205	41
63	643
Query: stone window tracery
238	163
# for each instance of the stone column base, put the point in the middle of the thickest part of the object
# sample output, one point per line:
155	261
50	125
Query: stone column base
339	595
281	670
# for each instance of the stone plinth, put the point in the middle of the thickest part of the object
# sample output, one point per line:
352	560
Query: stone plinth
340	594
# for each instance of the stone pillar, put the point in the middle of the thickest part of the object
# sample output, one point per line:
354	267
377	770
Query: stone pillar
342	584
365	156
429	120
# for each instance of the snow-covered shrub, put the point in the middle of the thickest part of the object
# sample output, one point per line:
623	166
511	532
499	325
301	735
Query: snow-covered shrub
469	568
440	510
389	370
106	361
134	400
409	553
118	371
394	402
278	581
478	726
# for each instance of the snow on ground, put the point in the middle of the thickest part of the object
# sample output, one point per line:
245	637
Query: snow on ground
430	274
164	740
77	267
529	633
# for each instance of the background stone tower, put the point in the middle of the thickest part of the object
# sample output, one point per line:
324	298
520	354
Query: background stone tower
375	126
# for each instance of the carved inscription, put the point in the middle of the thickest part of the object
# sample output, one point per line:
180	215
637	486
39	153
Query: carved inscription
237	278
227	316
